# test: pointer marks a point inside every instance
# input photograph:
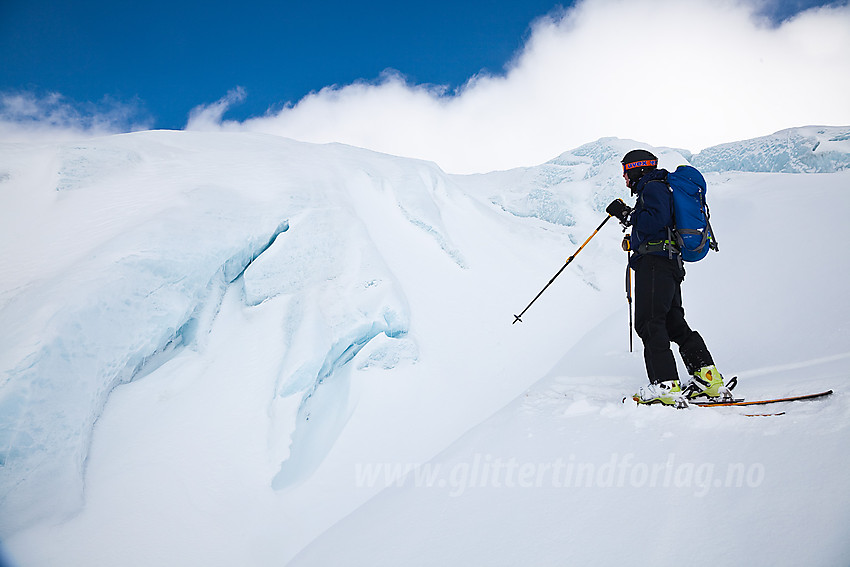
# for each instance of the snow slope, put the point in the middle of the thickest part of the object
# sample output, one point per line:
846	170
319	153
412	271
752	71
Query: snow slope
210	342
568	475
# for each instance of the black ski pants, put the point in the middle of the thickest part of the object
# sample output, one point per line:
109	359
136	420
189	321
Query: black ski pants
660	318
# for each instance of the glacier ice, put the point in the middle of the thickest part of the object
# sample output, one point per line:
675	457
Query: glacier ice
813	149
153	228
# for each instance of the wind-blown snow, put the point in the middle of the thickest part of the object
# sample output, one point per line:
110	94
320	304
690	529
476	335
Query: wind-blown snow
207	337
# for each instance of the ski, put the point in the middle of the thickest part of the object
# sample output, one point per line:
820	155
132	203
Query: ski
742	402
732	401
764	414
714	401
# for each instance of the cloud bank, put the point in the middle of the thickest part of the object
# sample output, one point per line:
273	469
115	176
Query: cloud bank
679	73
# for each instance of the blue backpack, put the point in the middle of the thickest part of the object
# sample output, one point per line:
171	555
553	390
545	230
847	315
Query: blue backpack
691	227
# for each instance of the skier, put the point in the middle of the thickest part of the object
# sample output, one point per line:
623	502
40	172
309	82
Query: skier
659	271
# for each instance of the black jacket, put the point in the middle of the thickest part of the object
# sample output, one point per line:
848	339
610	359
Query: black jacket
652	216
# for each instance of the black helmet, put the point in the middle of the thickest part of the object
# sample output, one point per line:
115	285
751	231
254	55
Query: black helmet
636	164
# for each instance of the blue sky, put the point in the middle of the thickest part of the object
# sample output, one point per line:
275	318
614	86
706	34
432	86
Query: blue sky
477	85
171	56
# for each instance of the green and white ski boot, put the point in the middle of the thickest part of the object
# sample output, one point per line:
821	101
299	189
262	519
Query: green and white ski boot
668	393
707	382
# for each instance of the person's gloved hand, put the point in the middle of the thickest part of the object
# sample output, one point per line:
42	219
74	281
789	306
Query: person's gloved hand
620	210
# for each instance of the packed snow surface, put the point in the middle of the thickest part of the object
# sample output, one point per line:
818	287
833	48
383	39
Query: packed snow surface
224	349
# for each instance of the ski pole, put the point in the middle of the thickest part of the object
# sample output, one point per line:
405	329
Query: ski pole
629	298
570	259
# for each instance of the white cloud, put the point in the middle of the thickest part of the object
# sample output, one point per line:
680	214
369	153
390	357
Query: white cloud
208	117
26	116
683	73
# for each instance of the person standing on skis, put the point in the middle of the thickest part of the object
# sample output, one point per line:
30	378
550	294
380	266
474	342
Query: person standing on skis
659	271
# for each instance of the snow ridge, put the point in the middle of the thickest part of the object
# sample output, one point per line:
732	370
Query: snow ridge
161	226
813	149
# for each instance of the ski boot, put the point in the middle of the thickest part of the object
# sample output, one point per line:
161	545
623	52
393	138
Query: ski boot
668	393
707	382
